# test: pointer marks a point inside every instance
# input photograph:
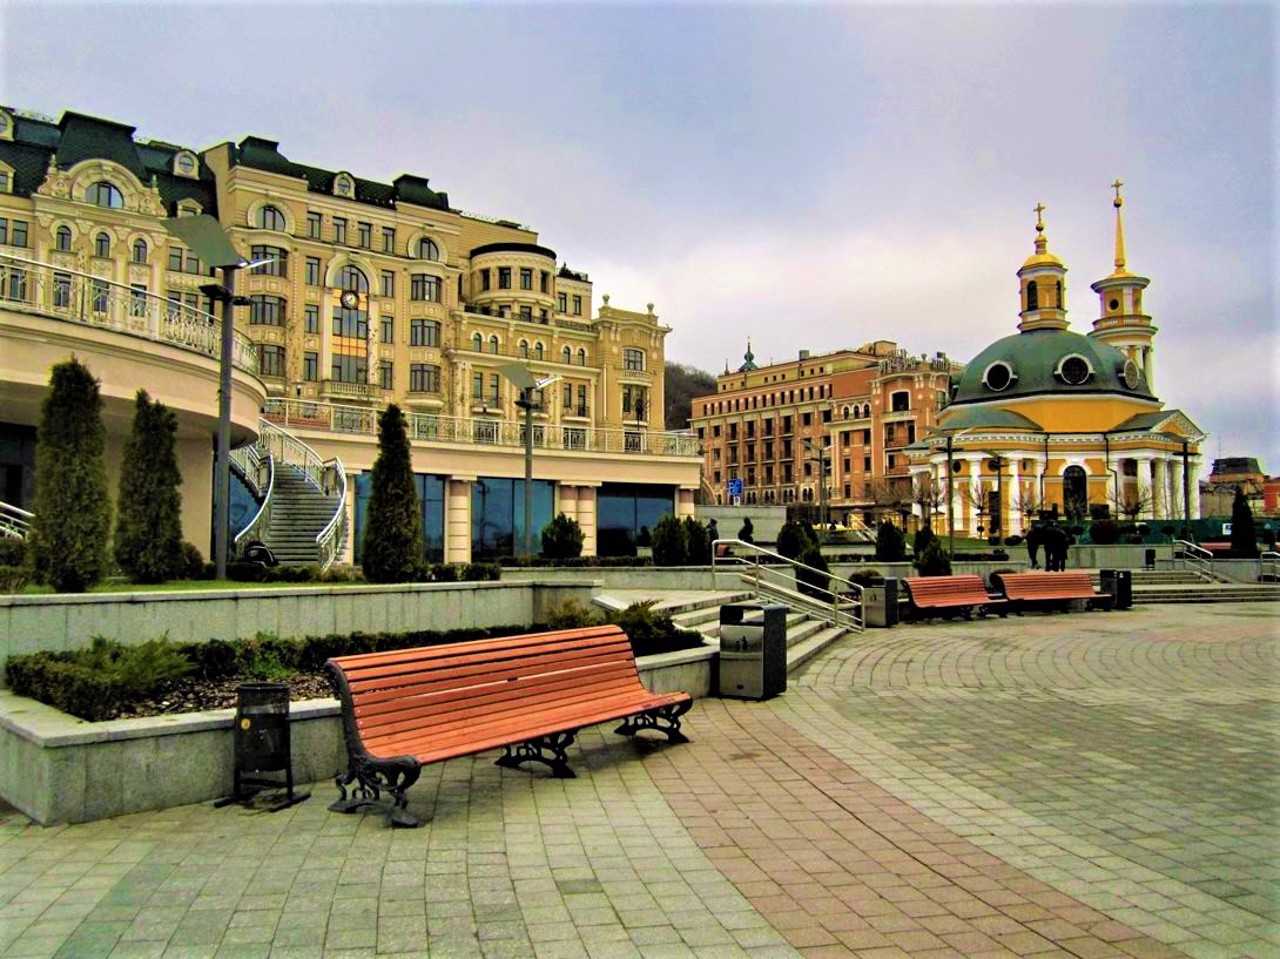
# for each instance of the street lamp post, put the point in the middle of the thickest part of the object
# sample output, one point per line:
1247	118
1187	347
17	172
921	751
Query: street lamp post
821	450
951	495
997	522
526	382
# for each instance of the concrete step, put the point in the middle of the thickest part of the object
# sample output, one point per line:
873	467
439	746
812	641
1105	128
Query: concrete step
1208	593
809	647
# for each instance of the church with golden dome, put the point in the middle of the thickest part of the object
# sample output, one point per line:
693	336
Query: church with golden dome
1049	419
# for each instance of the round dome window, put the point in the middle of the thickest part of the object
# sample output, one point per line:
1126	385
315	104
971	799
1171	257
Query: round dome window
998	376
1130	374
1074	370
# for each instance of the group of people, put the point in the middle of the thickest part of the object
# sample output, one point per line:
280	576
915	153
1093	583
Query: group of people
1055	541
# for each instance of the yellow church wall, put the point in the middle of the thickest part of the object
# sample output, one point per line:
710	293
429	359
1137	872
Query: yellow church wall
1083	414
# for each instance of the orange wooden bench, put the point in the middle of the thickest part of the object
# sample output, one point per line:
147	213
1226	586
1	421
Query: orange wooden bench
1049	589
963	593
527	694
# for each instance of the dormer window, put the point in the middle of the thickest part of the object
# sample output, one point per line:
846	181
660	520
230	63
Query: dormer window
343	185
428	250
270	218
1074	370
6	126
104	194
185	164
999	376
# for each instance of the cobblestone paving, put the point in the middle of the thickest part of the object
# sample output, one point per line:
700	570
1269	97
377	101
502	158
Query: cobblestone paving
1088	785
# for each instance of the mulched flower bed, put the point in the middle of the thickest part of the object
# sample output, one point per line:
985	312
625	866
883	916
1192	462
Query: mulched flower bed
198	695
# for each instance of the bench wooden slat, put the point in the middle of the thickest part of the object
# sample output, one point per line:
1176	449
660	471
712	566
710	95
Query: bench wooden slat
406	707
962	591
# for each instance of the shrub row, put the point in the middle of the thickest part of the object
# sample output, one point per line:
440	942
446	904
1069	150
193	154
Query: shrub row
427	573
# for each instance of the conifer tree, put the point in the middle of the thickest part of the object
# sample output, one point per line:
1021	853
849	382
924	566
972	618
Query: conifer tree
891	547
1244	535
670	542
148	540
68	540
393	527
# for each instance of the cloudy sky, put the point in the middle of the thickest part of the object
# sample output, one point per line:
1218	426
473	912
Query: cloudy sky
811	176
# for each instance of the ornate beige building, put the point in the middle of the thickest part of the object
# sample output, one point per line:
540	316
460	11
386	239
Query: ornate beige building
364	294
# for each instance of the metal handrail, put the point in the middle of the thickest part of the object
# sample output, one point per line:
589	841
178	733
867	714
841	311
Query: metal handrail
845	604
252	463
481	431
1268	566
61	293
1197	557
329	541
15	522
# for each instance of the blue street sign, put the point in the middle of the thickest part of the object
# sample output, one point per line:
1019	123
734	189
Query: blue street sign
735	487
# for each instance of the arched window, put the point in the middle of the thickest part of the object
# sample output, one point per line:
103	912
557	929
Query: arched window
64	238
353	278
270	218
1058	288
1075	492
582	357
139	251
102	245
524	349
477	342
493	343
105	194
427	249
537	350
1033	296
566	356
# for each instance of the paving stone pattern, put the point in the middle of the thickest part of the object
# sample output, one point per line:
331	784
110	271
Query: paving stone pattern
1092	784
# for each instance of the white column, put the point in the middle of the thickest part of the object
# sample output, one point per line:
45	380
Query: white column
1176	498
1013	493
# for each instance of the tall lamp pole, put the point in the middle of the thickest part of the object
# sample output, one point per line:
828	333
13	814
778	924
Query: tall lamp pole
951	497
526	382
821	450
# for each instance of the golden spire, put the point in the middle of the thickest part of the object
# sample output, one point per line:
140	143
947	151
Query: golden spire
1041	242
1118	202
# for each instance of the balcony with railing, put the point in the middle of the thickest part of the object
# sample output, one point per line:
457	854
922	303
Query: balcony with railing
472	431
30	286
339	389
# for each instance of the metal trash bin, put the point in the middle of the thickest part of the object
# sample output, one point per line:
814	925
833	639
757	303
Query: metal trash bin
1149	560
1118	584
262	744
753	650
880	604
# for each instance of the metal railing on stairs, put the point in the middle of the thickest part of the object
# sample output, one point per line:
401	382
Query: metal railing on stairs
1190	556
779	577
327	476
258	467
14	521
1269	567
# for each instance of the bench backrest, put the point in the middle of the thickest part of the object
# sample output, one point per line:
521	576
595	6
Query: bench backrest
457	684
1034	585
960	584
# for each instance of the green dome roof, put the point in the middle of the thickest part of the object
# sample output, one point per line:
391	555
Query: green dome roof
1041	362
986	417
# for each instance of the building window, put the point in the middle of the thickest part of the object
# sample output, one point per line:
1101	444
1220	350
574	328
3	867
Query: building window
504	277
6	182
632	359
427	249
386	374
424	378
105	194
137	299
313	271
277	260
484	280
62	290
423	332
183	261
349	369
577	306
537	350
388	239
582	357
352	278
270	360
424	287
311	318
270	218
364	235
526	313
388	333
526	278
544	282
562	302
522	350
477	343
493	344
99	296
566	355
339	229
310	366
139	251
101	245
351	324
313	225
388	283
63	238
900	401
266	310
13	232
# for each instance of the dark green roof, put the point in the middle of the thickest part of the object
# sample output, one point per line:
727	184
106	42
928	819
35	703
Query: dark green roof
512	247
1034	357
262	154
77	137
985	417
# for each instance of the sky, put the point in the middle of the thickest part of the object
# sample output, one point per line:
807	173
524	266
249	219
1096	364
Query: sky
808	176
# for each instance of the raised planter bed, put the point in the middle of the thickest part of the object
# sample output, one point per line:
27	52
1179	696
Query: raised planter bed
58	769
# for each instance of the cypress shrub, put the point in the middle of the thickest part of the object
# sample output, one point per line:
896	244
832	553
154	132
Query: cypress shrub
890	545
1244	537
670	542
393	527
933	560
813	582
794	538
924	536
68	539
699	545
148	541
562	538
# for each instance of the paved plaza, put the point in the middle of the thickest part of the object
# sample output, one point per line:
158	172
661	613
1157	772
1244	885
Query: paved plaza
1086	784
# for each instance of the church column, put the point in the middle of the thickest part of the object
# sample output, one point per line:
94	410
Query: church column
1176	500
1013	493
1194	486
974	481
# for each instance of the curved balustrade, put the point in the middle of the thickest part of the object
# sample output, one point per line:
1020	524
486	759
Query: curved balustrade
259	471
431	427
329	542
327	476
29	286
14	521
